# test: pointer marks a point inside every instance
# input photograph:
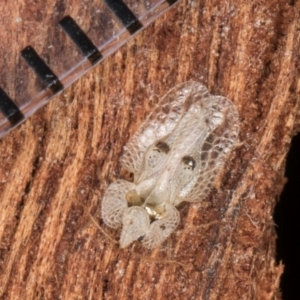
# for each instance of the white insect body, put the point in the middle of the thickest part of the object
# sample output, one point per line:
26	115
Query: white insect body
176	155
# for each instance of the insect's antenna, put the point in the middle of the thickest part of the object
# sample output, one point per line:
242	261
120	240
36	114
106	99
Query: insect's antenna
99	227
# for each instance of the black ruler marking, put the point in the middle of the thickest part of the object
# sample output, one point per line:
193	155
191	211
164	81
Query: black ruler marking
9	109
80	39
44	73
125	15
171	2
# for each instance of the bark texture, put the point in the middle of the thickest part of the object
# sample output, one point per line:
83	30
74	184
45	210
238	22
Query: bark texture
55	167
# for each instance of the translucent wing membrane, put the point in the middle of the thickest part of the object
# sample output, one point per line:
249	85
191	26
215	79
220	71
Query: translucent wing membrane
211	152
160	229
176	155
161	122
114	203
136	223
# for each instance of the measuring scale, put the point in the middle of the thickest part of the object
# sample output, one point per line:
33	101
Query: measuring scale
113	23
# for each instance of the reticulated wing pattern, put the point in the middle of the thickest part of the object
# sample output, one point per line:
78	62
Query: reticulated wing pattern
161	121
160	229
177	154
136	223
114	203
215	148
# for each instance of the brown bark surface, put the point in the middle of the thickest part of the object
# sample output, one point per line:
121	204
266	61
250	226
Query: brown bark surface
55	167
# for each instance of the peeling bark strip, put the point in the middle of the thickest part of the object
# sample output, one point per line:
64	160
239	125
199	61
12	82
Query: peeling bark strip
56	166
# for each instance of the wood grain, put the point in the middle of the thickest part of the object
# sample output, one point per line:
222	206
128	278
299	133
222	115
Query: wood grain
55	167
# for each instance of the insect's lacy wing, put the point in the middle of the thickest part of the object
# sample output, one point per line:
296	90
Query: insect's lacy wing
114	203
161	122
214	150
136	223
160	229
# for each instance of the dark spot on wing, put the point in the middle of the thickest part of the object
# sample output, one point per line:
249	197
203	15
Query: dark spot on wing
189	162
162	147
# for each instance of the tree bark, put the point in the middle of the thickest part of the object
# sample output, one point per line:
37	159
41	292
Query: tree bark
55	167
